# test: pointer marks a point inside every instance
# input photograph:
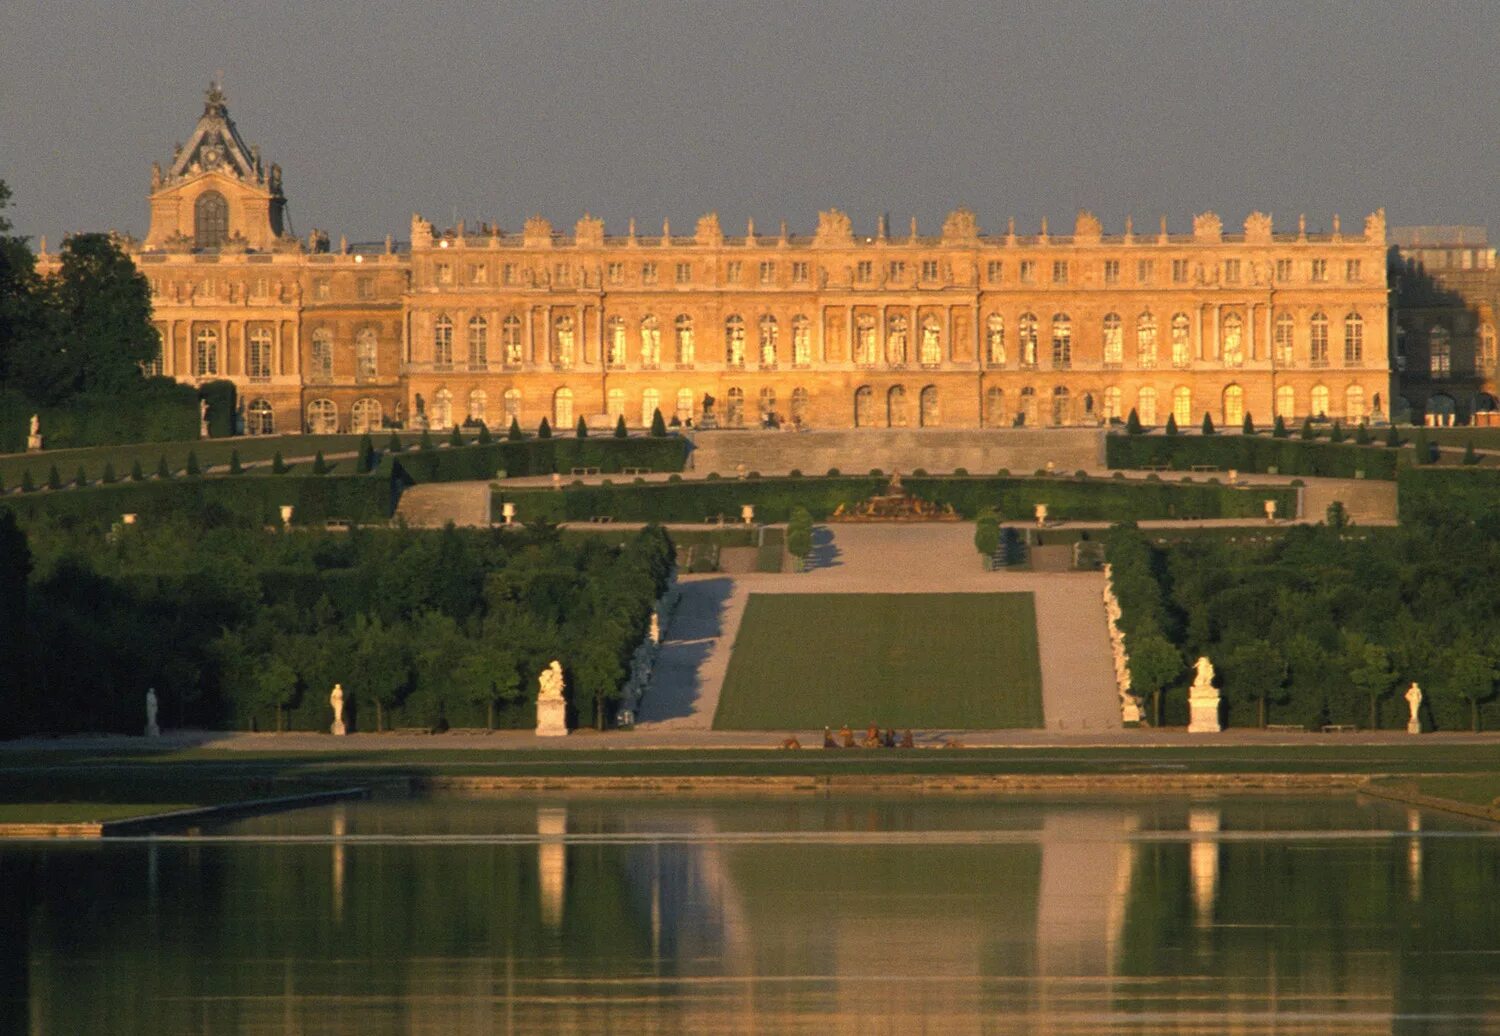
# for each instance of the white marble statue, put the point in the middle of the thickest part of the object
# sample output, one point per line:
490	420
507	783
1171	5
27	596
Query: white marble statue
1203	700
152	730
36	425
655	631
1414	704
203	419
34	433
336	699
551	707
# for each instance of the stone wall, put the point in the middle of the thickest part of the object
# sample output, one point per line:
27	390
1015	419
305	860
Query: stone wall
979	451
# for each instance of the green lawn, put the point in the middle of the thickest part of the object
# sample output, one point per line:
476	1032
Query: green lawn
82	812
960	661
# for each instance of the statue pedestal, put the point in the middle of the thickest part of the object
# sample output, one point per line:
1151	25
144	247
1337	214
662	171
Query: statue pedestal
1414	726
1203	716
33	443
551	717
338	729
152	730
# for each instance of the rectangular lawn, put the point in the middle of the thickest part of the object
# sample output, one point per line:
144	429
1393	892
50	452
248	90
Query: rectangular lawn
963	661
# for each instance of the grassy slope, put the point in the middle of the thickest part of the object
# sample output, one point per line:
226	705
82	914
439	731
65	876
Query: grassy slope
903	660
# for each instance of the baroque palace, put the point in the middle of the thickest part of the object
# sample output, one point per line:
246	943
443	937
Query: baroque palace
835	330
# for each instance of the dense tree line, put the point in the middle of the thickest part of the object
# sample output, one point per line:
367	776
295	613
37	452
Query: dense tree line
1320	624
237	626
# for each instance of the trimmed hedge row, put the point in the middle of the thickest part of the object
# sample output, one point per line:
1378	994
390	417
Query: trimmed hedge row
1255	453
1436	494
774	499
540	457
214	501
161	410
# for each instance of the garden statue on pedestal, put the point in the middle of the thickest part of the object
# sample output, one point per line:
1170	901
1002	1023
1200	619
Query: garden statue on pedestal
336	699
1203	700
34	434
203	419
1414	704
152	730
551	707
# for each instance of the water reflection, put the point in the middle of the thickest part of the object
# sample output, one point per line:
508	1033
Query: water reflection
777	915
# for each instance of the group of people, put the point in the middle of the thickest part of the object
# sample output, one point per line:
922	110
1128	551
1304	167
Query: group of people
873	738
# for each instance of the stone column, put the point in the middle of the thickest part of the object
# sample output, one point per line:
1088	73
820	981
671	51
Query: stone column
849	329
1198	331
882	334
1217	355
547	351
948	334
1251	344
528	339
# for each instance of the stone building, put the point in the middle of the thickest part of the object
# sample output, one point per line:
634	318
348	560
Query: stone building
836	329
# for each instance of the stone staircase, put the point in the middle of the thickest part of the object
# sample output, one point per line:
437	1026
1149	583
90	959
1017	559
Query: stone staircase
857	451
433	505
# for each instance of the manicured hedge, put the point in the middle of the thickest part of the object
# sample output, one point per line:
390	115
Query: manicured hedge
774	499
161	410
1434	494
541	457
1254	453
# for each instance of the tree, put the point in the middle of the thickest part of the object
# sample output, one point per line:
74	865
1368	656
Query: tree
21	313
987	533
1393	437
379	670
425	442
1369	668
484	438
1470	457
320	466
393	445
366	462
455	437
799	534
621	432
27	485
1337	516
54	480
15	571
1171	428
235	467
1247	426
109	473
1307	429
582	430
515	434
485	674
1278	430
1256	670
1154	663
81	478
193	470
1208	423
136	474
278	466
1336	434
658	426
544	430
276	684
1471	675
1133	423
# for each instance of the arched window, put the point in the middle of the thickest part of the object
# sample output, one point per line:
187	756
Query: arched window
799	406
734	408
1318	340
864	340
1112	403
366	355
685	348
565	344
684	405
1026	339
932	343
258	351
734	340
1062	341
479	401
1145	342
321	367
864	407
1234	341
365	415
1354	403
510	340
650	343
562	408
322	417
1354	340
769	333
1145	406
1487	355
1030	414
614	404
897	335
1062	406
442	343
1114	340
1440	351
440	414
479	342
927	407
1283	339
994	408
206	352
994	340
895	406
260	419
650	404
1182	406
512	406
614	342
210	220
801	341
1286	402
1319	401
767	409
1234	406
1182	343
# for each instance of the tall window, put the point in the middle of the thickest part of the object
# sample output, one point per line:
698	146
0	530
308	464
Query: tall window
510	340
994	340
1062	406
512	405
366	355
1354	340
1283	340
562	408
1182	343
734	340
994	408
801	341
322	355
614	404
206	352
1439	350
365	415
1114	340
260	419
1487	354
258	354
440	414
1234	406
442	342
1145	406
153	367
1320	401
734	408
210	220
1286	402
322	417
685	347
684	405
650	342
479	343
799	406
1112	398
932	343
1026	339
1318	340
1234	341
898	330
864	340
767	406
565	345
769	332
1030	415
1182	406
650	404
615	341
928	415
1145	341
479	401
1354	403
1062	341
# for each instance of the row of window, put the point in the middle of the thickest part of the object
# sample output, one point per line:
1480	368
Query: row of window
260	354
1440	350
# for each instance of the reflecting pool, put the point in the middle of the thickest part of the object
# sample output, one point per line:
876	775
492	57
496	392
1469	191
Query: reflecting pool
826	915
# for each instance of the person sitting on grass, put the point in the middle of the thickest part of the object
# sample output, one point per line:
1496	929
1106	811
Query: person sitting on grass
828	741
872	737
906	740
846	737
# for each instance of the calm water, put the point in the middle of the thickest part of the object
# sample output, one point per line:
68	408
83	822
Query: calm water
845	915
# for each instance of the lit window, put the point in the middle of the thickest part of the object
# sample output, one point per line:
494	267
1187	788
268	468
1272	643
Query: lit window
479	401
512	405
1111	271
864	340
801	341
769	332
1062	341
1354	340
1283	339
366	355
1182	346
1112	398
1318	340
1234	406
442	342
1319	272
1182	406
563	342
1145	406
1234	341
1060	271
1440	351
479	343
614	342
1026	339
1145	341
1320	401
932	343
562	408
734	341
768	272
684	405
1028	271
648	273
206	352
994	340
260	419
685	349
1179	271
440	414
1354	403
650	342
510	340
1114	340
1286	402
993	271
801	273
684	273
732	271
322	417
864	271
650	405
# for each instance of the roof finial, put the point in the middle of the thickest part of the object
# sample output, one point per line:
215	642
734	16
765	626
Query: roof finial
215	99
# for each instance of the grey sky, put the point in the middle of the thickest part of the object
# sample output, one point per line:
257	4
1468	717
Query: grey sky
378	108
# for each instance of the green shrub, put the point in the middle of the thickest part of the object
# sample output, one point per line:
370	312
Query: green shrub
1470	457
1247	427
193	470
485	438
1307	429
621	432
27	485
1171	424
658	426
54	480
220	397
455	437
515	434
81	478
1438	495
1362	434
278	466
1392	437
235	467
109	473
544	430
394	444
1208	423
425	442
1250	453
1132	424
157	410
320	466
136	474
582	431
163	471
1337	433
1278	431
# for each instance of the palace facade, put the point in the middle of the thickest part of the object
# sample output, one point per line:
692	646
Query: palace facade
833	330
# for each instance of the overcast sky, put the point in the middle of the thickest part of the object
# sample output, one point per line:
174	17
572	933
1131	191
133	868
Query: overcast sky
495	110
